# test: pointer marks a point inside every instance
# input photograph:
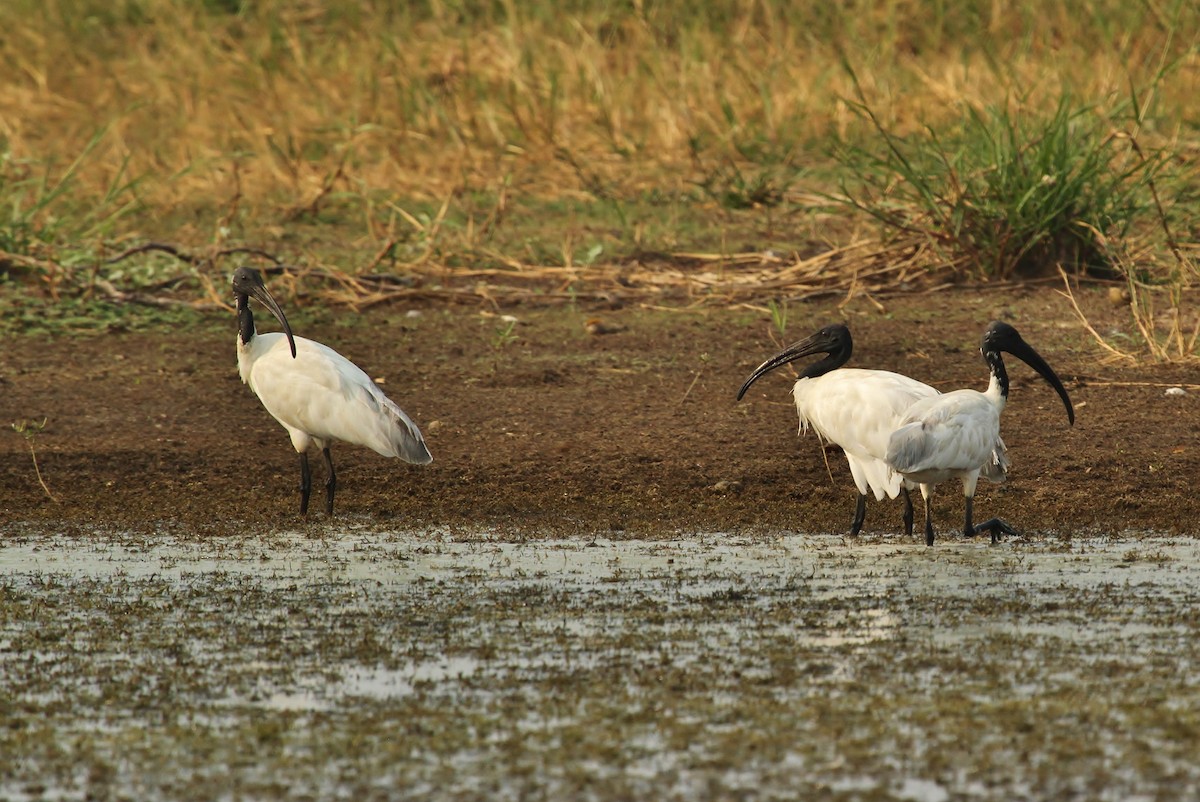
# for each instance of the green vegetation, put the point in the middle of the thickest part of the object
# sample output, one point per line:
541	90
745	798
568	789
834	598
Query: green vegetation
779	321
504	334
457	143
1010	196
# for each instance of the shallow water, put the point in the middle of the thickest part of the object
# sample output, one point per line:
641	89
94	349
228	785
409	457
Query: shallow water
451	665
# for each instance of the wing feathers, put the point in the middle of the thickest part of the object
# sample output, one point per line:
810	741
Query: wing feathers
328	397
858	410
948	435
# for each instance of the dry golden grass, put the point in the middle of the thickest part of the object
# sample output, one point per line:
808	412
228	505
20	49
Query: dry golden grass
246	125
271	104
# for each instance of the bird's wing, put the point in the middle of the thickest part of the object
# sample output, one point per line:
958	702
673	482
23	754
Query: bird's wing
858	410
327	396
996	468
874	475
390	424
954	432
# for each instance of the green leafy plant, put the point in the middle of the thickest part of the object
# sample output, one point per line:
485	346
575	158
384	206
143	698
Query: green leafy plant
779	320
1009	192
505	334
37	207
1155	297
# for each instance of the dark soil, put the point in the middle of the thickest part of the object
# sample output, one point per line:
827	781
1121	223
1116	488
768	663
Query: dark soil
565	431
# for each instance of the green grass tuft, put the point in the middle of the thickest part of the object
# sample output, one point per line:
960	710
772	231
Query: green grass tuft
1009	192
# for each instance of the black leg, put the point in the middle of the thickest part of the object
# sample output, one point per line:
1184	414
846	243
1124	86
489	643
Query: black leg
908	512
305	483
928	522
330	483
968	528
860	514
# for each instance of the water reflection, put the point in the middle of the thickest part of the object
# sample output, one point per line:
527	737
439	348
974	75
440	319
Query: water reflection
647	668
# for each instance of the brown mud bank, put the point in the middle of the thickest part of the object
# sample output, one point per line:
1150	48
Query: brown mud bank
551	428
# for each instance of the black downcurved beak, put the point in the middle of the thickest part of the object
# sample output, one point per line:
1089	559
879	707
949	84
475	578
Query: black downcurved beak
1024	352
819	343
248	282
260	292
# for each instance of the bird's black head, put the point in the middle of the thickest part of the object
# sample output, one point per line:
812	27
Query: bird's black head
1001	337
833	340
998	336
247	283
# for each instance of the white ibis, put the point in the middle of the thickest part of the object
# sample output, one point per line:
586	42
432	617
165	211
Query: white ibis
855	409
316	393
957	434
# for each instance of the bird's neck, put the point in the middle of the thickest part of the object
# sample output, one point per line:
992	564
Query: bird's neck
997	391
822	366
245	320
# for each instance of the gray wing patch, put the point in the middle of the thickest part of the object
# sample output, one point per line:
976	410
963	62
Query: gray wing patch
907	447
995	470
394	426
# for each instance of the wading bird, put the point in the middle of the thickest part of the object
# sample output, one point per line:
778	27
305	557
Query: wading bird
957	434
852	408
316	393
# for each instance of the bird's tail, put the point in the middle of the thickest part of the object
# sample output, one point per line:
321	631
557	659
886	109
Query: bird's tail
408	442
397	435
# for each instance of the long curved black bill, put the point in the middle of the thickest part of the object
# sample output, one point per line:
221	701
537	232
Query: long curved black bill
260	292
1024	352
819	343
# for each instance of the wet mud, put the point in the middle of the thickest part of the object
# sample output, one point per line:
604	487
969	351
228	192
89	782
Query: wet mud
614	581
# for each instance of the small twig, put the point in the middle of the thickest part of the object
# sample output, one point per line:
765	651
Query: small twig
825	458
1086	324
9	260
1097	381
120	296
161	247
1172	243
29	430
380	255
189	258
688	392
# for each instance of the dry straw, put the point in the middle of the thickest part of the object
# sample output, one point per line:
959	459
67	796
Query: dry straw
226	122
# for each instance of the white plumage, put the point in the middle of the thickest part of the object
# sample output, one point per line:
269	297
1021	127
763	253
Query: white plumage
858	410
957	435
317	394
321	397
852	408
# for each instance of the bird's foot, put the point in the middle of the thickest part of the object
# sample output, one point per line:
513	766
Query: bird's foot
995	527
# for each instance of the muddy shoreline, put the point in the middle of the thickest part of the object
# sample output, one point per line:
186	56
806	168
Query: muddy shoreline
557	430
614	582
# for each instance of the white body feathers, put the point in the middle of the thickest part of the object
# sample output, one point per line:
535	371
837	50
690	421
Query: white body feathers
321	397
954	435
858	410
